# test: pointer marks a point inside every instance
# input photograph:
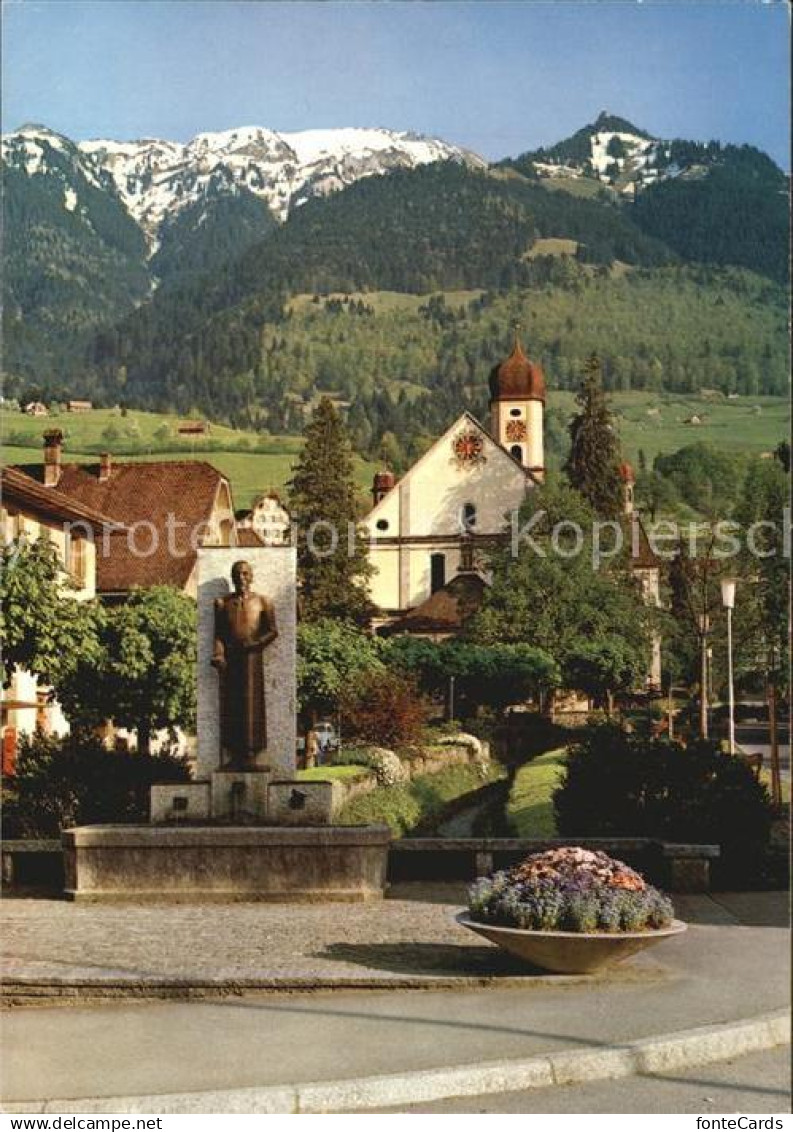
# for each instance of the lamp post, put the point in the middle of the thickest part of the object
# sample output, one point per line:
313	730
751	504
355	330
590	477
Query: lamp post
728	601
704	626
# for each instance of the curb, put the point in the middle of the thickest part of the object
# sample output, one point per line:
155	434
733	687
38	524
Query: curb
663	1054
31	991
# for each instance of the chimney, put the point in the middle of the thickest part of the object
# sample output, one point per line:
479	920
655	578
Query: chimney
105	467
53	446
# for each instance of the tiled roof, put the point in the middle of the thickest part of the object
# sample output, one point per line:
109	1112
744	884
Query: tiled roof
142	496
22	490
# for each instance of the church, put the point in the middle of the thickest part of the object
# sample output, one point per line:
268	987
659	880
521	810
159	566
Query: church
429	529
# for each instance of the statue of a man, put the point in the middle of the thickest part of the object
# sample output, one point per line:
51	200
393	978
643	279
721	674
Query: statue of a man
244	627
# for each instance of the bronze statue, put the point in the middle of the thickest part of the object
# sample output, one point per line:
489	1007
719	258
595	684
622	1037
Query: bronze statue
244	627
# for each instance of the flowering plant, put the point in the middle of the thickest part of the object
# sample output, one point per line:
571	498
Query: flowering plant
570	889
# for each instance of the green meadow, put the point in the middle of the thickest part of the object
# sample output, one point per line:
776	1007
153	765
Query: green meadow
252	462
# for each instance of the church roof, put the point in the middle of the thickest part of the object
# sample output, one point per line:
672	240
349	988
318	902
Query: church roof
445	611
517	378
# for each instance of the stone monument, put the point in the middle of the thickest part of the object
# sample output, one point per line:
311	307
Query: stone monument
245	828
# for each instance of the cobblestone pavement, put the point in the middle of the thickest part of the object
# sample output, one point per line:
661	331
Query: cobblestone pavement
410	935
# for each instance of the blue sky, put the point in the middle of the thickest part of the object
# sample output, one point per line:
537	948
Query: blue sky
499	77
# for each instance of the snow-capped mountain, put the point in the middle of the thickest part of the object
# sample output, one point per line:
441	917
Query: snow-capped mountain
614	152
156	179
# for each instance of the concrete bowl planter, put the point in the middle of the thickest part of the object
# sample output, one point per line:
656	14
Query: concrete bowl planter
570	953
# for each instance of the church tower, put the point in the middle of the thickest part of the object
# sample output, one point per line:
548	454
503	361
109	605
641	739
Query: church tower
517	409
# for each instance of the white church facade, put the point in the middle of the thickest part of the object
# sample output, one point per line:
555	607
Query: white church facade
427	530
426	527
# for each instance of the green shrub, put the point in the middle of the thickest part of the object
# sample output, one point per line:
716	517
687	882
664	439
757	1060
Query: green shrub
622	785
75	780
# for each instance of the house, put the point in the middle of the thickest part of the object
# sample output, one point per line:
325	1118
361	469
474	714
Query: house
31	510
79	406
167	509
193	428
36	409
268	519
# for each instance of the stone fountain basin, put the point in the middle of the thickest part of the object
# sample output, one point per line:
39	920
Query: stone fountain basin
570	953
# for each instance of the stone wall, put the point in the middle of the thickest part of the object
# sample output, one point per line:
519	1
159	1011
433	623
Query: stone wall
432	760
274	575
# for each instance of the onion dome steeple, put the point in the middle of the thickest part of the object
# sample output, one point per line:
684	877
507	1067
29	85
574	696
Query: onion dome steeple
517	377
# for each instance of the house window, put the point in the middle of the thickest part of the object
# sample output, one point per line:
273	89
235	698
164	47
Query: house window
76	561
468	516
437	572
517	452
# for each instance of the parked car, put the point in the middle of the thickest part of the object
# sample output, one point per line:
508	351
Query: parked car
327	739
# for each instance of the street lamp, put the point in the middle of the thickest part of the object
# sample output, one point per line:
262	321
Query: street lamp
728	601
704	626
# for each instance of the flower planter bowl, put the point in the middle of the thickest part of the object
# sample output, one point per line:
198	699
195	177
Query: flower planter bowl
570	953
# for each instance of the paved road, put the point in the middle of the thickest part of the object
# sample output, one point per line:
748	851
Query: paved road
732	964
757	1083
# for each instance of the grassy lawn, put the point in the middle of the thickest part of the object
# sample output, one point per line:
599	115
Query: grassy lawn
384	302
530	806
405	806
334	773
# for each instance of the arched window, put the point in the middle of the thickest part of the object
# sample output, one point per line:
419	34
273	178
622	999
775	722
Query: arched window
437	571
468	516
517	452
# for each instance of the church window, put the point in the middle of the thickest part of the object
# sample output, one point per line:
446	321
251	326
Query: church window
382	524
515	412
516	451
468	516
437	571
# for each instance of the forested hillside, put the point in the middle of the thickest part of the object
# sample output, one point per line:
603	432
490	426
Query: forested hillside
407	282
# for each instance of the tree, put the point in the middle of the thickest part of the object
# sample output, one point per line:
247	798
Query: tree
593	463
494	675
548	595
74	780
601	667
145	674
332	656
654	493
332	559
45	629
385	708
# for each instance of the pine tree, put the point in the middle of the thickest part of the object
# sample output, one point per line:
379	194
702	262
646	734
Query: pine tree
332	558
593	464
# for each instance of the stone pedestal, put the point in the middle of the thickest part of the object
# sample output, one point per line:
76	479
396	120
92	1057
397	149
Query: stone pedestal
274	575
300	803
155	864
181	801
